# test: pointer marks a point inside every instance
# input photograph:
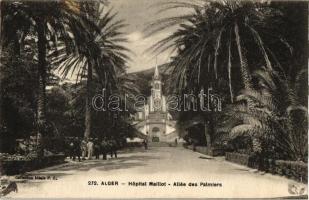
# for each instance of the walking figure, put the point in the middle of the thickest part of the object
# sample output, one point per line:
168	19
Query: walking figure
96	149
71	149
77	149
145	143
90	149
104	148
113	147
84	148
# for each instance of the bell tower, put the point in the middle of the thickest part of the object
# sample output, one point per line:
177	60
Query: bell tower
158	125
156	91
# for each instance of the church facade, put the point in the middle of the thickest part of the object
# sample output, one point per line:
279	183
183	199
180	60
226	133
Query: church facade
153	120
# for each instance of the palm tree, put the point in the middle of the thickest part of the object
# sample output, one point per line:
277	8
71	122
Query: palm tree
283	121
49	21
202	37
212	27
100	54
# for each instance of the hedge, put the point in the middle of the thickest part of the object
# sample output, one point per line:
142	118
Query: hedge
12	167
205	150
238	158
291	169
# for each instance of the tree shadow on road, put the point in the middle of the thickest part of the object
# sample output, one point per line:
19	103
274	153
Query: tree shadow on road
124	162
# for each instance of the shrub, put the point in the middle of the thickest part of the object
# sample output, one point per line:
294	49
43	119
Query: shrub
238	158
296	170
292	169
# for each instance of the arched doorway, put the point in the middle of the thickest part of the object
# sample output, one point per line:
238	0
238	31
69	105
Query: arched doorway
155	132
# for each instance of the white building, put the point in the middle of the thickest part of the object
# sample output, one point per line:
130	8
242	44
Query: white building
154	120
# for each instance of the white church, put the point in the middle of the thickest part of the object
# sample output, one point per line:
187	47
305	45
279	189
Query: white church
153	120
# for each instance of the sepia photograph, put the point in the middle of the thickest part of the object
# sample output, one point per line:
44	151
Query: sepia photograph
154	99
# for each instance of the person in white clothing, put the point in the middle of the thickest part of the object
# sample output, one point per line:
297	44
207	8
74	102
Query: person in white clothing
90	149
84	149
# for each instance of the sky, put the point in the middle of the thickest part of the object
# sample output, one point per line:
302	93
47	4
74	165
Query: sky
138	14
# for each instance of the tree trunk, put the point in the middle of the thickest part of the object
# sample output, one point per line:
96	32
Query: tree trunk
1	68
41	103
88	112
207	134
246	77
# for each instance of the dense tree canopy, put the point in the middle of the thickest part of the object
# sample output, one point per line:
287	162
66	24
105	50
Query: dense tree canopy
43	40
222	46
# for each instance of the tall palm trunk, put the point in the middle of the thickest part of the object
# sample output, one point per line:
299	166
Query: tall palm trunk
246	77
209	130
88	113
207	134
1	67
41	103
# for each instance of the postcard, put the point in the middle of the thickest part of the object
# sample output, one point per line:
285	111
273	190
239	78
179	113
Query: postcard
141	99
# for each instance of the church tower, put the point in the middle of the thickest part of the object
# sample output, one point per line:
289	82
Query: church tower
156	92
157	125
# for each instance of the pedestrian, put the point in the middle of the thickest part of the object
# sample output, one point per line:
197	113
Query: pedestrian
90	149
84	148
145	143
77	149
176	142
104	148
96	149
114	147
71	148
194	146
110	145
